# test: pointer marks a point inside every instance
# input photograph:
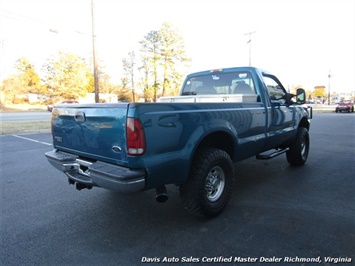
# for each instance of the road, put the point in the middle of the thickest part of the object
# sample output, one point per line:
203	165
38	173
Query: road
276	211
25	116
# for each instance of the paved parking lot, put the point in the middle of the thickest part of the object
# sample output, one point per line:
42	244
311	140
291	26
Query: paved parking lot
277	213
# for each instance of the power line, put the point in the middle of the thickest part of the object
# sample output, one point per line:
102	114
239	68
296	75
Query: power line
20	17
49	25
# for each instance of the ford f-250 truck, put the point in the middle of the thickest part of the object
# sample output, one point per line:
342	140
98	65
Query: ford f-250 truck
192	140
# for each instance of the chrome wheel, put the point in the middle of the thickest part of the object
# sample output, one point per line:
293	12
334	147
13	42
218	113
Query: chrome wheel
215	182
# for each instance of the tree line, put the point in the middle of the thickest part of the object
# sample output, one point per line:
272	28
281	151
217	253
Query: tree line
155	70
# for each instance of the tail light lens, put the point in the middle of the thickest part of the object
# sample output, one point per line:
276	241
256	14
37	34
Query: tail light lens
135	137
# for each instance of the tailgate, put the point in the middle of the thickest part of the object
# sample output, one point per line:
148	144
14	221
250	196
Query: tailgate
93	131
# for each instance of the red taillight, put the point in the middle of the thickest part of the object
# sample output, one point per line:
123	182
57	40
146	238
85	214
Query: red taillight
135	137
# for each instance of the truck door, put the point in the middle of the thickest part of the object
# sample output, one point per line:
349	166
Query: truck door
281	115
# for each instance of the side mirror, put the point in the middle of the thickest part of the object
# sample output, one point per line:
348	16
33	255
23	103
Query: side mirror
300	96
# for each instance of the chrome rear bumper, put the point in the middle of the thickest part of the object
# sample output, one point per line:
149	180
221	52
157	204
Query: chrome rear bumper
100	174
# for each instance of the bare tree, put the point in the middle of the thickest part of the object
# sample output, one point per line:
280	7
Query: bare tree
128	68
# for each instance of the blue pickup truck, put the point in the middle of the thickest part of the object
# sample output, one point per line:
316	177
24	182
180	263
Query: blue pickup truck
221	116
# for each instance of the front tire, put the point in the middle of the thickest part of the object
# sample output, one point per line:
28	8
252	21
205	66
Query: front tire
298	153
210	183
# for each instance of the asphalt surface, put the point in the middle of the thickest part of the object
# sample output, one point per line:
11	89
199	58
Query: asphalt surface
276	211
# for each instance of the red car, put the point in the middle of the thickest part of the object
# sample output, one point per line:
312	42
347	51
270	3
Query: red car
50	107
346	106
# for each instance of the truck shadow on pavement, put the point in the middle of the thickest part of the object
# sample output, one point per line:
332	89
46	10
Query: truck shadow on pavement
271	213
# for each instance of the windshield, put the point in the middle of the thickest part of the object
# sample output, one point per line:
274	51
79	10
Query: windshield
220	83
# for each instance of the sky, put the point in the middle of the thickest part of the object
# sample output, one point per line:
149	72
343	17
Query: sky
300	41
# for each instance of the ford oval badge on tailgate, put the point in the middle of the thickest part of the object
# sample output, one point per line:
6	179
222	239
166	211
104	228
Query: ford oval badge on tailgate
80	116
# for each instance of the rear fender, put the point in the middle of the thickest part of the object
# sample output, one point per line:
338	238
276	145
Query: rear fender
174	166
222	136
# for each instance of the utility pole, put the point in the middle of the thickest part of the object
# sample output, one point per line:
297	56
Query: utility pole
329	76
249	33
96	72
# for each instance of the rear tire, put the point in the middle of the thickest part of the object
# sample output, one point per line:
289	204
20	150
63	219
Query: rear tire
210	183
298	153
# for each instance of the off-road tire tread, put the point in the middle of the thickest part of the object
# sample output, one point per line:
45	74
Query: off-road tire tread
293	155
193	192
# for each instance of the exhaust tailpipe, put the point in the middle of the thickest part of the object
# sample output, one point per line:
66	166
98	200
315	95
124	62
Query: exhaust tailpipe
161	194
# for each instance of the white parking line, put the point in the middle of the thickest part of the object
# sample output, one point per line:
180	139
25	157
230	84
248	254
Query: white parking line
45	143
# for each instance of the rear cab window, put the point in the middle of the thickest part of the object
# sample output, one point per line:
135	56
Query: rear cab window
227	83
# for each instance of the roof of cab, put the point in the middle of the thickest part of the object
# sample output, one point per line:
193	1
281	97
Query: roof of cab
226	70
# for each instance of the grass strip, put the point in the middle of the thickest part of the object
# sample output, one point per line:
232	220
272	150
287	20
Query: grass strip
23	127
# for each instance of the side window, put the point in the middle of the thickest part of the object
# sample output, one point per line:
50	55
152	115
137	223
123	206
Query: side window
276	91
